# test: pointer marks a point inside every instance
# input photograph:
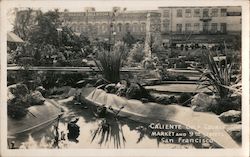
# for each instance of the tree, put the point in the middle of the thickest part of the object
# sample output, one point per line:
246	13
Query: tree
46	29
24	22
129	39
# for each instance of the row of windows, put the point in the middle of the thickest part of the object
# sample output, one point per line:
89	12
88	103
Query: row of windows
196	27
214	12
103	28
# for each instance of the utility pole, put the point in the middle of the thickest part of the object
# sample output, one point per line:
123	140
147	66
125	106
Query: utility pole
171	30
87	22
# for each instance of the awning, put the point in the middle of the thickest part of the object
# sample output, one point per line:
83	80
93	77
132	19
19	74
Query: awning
202	38
11	37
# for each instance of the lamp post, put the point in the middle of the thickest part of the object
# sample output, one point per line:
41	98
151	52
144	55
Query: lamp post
59	34
114	34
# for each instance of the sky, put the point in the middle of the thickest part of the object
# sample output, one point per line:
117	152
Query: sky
104	5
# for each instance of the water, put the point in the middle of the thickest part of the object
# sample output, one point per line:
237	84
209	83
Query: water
94	132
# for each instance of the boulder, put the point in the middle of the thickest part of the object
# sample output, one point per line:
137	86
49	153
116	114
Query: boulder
133	91
110	88
184	99
88	85
121	91
18	90
72	92
41	89
235	131
162	98
36	98
203	102
230	116
10	96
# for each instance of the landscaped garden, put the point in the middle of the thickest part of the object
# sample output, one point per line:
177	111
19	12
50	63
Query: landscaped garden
128	77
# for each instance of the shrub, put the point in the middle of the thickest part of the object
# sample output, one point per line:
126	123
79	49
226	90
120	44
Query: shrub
217	75
184	99
110	62
17	112
136	54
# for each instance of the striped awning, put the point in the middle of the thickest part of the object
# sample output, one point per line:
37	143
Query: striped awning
11	37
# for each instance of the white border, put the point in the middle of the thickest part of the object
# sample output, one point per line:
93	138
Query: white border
244	151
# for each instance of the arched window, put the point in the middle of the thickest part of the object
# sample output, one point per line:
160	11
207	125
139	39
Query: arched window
127	27
89	29
119	27
143	27
135	27
104	28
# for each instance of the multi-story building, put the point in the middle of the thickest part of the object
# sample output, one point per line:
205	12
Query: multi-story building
200	24
175	24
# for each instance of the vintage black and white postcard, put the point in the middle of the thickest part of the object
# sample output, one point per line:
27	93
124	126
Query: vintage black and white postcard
125	78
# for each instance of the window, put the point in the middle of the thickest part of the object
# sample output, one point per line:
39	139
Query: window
166	13
143	27
188	12
165	26
104	28
119	27
127	27
179	13
214	12
205	12
135	27
214	27
196	27
223	12
197	13
223	27
179	28
188	27
205	26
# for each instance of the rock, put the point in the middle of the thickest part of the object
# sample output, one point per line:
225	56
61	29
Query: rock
206	145
88	85
17	111
133	91
99	82
41	89
18	90
163	98
230	116
110	88
184	99
121	91
36	98
72	92
144	100
202	102
10	96
74	131
235	131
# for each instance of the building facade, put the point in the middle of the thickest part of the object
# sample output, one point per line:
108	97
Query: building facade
175	24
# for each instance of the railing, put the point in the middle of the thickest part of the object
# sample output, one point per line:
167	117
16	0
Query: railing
205	18
80	69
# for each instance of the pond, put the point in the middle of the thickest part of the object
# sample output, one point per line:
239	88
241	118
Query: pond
109	132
